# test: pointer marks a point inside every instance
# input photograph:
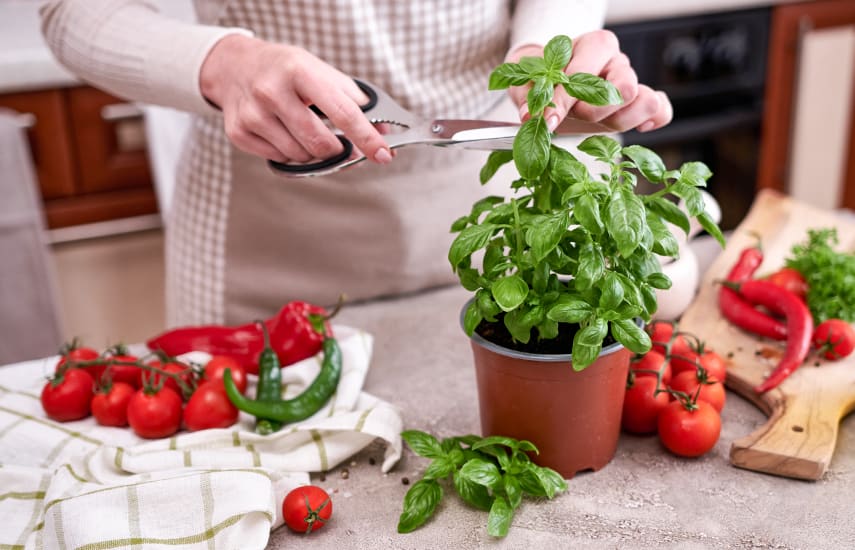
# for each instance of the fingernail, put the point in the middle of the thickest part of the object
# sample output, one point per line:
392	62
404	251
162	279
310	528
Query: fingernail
552	123
383	156
646	127
523	111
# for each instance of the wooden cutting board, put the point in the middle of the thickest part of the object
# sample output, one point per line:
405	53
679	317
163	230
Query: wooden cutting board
804	412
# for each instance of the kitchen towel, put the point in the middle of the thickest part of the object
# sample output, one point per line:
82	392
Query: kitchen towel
84	486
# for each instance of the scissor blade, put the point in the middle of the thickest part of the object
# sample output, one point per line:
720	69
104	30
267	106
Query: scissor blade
494	136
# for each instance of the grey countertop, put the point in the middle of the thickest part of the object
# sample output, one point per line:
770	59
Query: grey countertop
645	498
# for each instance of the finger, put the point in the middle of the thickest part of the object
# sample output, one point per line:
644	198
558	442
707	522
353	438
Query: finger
591	54
346	115
256	121
663	117
250	143
647	106
518	96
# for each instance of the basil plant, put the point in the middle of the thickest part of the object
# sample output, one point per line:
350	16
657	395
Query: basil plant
570	246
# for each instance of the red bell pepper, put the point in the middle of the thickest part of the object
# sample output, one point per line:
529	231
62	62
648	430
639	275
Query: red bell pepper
296	332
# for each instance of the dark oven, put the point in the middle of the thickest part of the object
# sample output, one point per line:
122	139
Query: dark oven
713	68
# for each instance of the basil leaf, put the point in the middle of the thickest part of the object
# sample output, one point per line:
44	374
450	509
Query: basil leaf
659	280
649	163
695	204
486	306
484	205
650	301
531	148
526	445
419	504
600	147
591	266
513	490
587	344
460	224
509	292
550	480
592	89
565	168
472	318
517	324
557	52
439	468
664	242
695	173
711	227
587	212
545	234
624	219
472	494
569	310
481	472
530	483
474	237
534	66
469	278
539	96
669	211
423	444
500	517
509	442
495	160
629	334
507	75
611	291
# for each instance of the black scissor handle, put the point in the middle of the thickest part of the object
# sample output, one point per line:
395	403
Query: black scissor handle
347	150
347	146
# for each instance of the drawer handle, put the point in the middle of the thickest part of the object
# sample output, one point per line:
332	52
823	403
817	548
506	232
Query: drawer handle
120	111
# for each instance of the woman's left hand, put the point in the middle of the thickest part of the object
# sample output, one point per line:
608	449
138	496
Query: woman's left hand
598	52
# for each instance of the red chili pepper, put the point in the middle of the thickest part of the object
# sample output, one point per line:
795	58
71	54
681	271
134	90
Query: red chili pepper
741	312
799	325
296	332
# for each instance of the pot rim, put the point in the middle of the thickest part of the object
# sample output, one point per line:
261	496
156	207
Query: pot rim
540	357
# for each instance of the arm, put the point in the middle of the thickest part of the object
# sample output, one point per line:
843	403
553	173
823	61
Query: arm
129	49
594	51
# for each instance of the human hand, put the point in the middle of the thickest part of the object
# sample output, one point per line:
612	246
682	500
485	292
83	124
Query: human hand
265	89
598	53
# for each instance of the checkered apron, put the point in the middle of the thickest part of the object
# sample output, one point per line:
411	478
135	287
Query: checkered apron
242	241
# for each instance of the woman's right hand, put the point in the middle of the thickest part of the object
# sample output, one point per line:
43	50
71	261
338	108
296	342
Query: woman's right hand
265	89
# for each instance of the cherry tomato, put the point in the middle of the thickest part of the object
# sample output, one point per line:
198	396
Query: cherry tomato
790	279
218	364
68	396
711	391
687	430
82	354
183	371
834	338
652	361
155	414
129	374
306	508
641	407
714	364
209	407
660	334
110	408
683	357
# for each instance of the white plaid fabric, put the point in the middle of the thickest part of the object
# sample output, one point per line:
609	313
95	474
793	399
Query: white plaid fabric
80	485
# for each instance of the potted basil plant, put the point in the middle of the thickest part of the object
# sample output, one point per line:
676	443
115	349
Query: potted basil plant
567	271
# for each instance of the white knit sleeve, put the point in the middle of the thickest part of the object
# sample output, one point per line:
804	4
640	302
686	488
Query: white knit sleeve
536	21
129	49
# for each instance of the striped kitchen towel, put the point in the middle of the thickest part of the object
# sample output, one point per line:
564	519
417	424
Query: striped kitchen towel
84	486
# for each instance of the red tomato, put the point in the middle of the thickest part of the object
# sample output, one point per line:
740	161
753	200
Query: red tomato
110	408
129	374
82	354
218	364
69	396
714	364
683	357
155	414
834	338
687	432
641	407
183	371
660	334
306	509
711	392
652	361
209	407
790	279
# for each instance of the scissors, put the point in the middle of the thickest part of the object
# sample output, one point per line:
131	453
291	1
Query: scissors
415	130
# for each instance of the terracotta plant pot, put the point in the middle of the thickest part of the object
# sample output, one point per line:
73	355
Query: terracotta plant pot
572	417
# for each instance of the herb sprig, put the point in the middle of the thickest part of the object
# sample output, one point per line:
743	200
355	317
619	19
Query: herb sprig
573	247
490	473
830	275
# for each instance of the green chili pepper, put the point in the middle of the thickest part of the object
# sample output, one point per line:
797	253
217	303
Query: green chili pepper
303	406
269	389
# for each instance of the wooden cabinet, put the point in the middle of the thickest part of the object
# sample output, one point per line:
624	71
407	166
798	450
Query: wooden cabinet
788	71
89	152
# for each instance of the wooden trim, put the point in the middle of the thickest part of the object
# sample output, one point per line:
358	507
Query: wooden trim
847	200
98	207
781	83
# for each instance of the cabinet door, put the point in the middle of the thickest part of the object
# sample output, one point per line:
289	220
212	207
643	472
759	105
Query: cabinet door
47	128
109	141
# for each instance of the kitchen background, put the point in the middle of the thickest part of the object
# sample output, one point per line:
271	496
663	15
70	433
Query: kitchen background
763	93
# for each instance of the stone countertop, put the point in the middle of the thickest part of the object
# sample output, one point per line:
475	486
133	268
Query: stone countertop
27	64
645	498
